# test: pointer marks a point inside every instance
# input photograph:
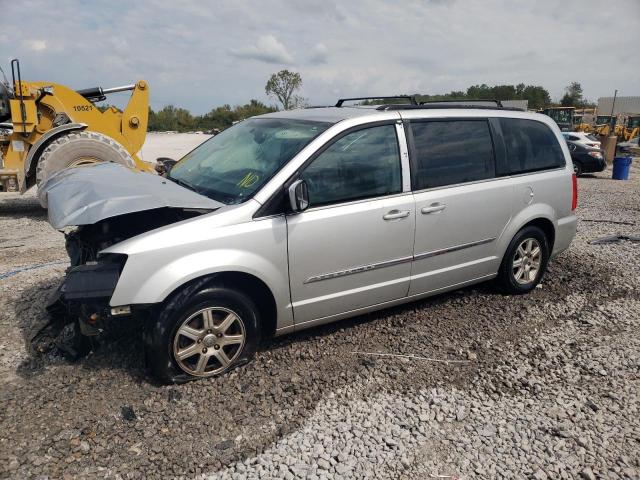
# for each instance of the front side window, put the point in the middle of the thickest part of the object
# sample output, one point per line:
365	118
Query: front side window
530	145
361	164
452	151
235	164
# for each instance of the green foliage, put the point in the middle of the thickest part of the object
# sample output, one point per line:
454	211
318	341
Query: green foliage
181	120
283	86
537	96
573	95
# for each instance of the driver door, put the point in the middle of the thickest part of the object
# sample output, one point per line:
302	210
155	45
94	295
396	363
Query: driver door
352	248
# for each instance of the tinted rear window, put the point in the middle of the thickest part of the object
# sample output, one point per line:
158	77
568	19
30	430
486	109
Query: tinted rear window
530	145
450	152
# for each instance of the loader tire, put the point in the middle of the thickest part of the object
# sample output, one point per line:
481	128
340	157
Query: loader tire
80	148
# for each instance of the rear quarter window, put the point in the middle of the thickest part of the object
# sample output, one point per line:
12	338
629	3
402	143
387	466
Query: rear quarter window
530	146
451	152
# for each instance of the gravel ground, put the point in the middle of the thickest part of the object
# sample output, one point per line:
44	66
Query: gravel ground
538	386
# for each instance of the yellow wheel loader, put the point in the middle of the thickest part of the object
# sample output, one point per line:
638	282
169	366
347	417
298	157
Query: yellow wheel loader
54	127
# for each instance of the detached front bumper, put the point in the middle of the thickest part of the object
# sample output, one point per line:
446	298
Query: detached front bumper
85	293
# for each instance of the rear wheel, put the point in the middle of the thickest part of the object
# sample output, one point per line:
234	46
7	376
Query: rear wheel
577	168
78	149
202	334
525	261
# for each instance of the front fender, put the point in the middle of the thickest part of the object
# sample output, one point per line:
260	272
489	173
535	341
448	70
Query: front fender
158	263
139	286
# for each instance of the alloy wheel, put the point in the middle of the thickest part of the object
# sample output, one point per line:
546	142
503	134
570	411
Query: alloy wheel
527	261
208	341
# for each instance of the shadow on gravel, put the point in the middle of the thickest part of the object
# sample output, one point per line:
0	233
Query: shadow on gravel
121	350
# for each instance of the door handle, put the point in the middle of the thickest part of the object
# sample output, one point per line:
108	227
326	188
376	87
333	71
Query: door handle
393	214
435	208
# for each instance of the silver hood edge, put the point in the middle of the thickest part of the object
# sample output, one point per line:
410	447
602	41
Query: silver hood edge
85	195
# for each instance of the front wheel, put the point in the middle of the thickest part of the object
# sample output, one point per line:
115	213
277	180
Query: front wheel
77	149
202	334
525	261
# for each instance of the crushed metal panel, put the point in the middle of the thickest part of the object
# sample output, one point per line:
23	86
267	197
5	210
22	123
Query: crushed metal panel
86	195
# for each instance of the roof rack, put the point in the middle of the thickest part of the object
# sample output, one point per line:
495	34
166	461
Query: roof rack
463	102
411	98
452	104
450	107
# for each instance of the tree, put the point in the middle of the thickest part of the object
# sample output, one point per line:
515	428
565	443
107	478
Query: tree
181	120
538	96
283	86
572	96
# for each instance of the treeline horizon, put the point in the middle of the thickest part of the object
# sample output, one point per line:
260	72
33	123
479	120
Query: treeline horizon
172	118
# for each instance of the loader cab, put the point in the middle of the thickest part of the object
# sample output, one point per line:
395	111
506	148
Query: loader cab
5	112
633	121
563	116
6	129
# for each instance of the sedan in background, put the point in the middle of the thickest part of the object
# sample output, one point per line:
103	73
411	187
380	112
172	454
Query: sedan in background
626	147
584	139
586	159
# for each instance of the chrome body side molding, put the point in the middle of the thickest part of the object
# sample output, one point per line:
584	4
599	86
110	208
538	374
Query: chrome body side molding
455	248
396	261
360	269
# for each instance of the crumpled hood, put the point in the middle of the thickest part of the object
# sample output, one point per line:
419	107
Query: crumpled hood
86	195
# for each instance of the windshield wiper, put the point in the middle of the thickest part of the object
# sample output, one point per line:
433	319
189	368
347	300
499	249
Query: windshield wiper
205	192
184	184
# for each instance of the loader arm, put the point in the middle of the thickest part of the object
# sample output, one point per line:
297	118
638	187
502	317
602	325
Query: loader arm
45	106
128	128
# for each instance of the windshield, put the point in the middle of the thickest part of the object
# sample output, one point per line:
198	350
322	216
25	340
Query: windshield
234	164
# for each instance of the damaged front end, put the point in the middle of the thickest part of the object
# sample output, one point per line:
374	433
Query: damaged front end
79	310
106	204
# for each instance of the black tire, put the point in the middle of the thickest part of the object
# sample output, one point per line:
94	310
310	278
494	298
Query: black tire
577	168
160	332
507	280
80	148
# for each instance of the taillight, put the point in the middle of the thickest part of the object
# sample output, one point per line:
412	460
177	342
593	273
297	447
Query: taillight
574	194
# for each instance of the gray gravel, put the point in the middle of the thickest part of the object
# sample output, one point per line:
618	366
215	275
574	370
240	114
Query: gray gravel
539	386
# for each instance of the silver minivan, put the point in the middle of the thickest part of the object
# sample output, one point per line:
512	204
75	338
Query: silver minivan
298	218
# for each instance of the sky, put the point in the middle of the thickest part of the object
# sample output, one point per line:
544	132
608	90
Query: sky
200	54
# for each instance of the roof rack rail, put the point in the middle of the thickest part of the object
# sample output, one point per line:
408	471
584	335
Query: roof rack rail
411	98
445	106
464	101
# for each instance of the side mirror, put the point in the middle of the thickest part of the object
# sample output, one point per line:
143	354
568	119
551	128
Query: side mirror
164	165
299	196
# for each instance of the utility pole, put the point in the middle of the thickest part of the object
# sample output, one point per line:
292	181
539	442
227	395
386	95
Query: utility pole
613	108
